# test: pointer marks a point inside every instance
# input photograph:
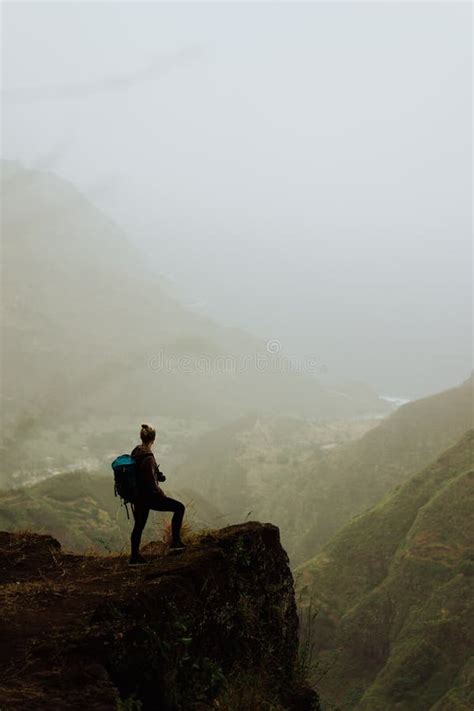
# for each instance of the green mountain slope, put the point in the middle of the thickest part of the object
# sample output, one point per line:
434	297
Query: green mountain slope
310	478
352	477
243	465
395	594
81	509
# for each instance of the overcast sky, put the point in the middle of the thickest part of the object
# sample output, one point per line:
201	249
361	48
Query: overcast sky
300	170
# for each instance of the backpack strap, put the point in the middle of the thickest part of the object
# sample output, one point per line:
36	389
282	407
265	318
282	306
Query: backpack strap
126	509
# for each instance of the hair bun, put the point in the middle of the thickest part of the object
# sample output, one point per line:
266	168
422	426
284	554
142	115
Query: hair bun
147	433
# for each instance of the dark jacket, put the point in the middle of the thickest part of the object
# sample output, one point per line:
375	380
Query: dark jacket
149	473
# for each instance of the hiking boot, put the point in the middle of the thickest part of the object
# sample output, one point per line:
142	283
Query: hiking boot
177	546
137	560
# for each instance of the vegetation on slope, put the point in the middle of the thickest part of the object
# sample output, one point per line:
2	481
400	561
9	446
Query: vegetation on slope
394	593
244	465
311	478
331	489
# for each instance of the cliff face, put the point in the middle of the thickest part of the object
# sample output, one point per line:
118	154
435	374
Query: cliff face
214	627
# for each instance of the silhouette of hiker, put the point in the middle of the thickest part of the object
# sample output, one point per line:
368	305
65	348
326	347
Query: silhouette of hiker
151	496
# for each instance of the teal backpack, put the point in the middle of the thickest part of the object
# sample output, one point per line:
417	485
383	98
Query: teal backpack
125	479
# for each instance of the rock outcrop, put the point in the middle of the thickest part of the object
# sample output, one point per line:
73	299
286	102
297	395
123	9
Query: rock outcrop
213	627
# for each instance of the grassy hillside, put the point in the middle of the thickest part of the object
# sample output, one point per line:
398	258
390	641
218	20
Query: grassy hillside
343	483
394	591
88	329
80	509
309	478
243	465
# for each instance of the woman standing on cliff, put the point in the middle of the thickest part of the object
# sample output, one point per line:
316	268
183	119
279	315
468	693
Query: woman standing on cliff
151	496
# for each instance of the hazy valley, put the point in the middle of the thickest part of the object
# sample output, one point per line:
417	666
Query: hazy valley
238	235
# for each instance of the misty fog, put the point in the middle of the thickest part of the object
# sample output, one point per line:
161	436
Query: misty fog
301	171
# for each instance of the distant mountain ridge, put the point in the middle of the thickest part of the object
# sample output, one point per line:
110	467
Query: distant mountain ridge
395	594
85	322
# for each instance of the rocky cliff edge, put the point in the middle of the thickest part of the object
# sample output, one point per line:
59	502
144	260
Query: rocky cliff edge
212	627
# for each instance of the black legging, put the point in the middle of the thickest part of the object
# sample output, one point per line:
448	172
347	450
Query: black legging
155	502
